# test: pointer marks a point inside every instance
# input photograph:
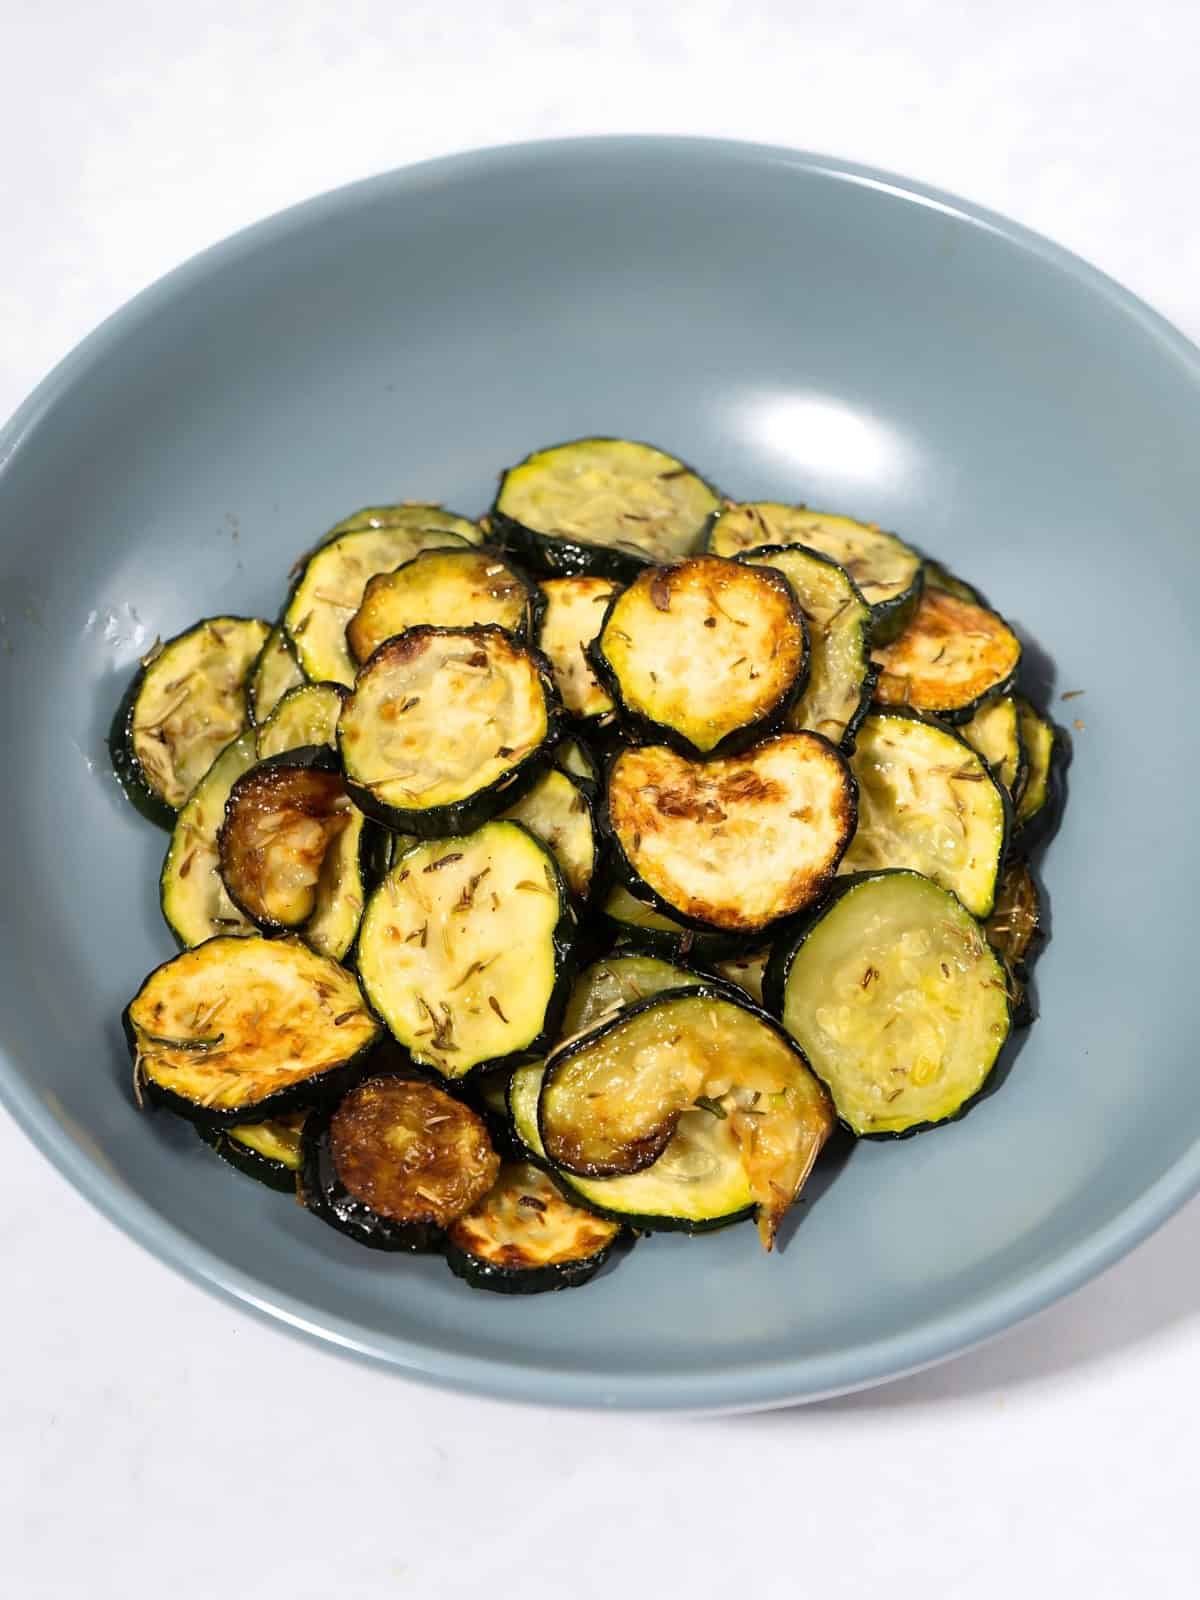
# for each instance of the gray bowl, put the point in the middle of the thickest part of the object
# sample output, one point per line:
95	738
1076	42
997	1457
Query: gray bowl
798	328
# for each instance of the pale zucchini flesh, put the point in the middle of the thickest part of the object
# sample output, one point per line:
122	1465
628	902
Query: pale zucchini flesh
192	894
995	732
407	514
304	716
274	672
575	608
446	588
1039	737
556	811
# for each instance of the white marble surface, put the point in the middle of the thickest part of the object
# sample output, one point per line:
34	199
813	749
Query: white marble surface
154	1440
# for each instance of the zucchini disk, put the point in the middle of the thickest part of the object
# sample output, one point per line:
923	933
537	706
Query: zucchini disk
841	674
707	655
939	577
525	1237
407	514
1041	741
574	758
733	844
191	892
394	1162
952	657
1014	931
281	819
463	949
330	590
995	732
622	980
266	1151
644	927
612	1098
557	812
606	506
185	704
747	972
926	801
574	611
447	588
446	727
274	672
886	570
897	1001
305	716
245	1029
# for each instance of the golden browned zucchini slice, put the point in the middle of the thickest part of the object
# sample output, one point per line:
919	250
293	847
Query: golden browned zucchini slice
737	843
574	611
951	658
525	1237
707	655
448	589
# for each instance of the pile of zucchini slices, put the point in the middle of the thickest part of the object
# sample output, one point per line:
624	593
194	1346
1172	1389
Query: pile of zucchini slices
573	874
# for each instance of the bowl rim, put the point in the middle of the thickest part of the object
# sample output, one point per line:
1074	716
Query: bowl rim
761	1384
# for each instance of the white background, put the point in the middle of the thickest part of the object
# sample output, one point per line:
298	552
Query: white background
156	1442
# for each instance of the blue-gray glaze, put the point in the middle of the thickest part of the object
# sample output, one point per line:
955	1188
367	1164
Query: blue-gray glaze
799	329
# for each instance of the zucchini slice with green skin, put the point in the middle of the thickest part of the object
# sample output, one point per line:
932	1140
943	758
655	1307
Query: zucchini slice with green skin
604	506
558	812
525	1237
574	758
706	655
274	672
446	727
394	1162
352	866
464	949
448	589
620	980
1038	799
186	703
407	514
887	571
928	802
244	1029
191	891
747	972
282	818
1015	932
330	587
611	1098
939	577
575	609
951	659
841	676
304	717
644	928
995	731
897	1000
269	1152
737	843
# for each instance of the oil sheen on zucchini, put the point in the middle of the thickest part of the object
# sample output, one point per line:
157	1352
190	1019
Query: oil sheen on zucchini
896	999
575	609
737	843
274	672
192	894
463	949
186	703
885	569
446	727
951	658
607	506
707	655
557	812
611	1098
995	731
269	1152
305	716
246	1029
448	589
526	1237
928	802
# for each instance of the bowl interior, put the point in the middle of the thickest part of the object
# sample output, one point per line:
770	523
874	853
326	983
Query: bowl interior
797	331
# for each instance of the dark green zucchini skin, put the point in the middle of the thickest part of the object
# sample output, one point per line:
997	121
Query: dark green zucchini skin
1041	827
482	1274
687	946
250	1163
471	812
890	617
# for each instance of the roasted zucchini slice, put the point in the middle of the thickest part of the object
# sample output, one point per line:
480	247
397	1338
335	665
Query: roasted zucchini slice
446	727
574	758
606	506
841	674
394	1162
643	927
939	577
353	864
269	1152
928	802
612	1098
706	655
733	844
575	609
557	812
525	1237
747	971
282	818
246	1029
1037	798
897	1000
185	704
1015	932
464	947
886	570
619	980
274	672
995	731
191	892
448	589
952	658
330	590
302	718
407	514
